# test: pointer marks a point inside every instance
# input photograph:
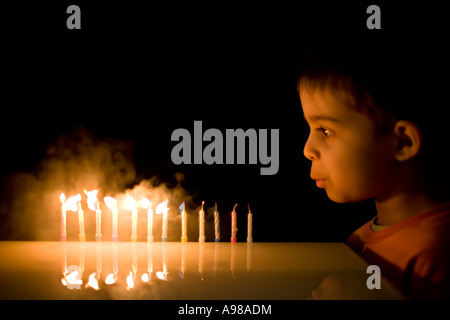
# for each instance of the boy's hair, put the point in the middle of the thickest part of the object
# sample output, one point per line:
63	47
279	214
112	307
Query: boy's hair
350	77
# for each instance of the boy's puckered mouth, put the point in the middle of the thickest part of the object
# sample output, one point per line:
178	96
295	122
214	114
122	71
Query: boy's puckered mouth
320	183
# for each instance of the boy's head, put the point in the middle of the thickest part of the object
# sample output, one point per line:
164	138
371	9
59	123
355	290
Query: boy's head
369	115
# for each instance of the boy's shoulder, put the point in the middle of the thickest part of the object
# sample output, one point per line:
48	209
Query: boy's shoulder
430	224
413	253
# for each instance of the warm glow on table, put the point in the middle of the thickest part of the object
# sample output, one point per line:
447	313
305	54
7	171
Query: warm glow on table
170	270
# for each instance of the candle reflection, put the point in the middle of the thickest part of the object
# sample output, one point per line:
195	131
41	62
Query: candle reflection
183	259
147	277
201	259
249	256
181	256
233	260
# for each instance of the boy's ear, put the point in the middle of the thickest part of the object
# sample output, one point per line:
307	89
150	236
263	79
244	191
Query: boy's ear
409	140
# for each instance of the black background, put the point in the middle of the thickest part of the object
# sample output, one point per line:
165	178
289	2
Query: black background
137	72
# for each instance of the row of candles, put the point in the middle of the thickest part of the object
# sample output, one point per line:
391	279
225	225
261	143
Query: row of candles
73	203
72	275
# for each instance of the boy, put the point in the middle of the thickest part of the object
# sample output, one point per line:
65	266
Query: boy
374	134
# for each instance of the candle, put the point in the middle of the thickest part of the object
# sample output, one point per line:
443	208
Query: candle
183	223
94	205
131	206
216	225
146	204
70	204
63	235
81	220
111	203
162	208
201	229
233	224
249	225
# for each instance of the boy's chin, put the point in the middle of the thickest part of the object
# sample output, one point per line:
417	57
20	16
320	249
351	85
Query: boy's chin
342	198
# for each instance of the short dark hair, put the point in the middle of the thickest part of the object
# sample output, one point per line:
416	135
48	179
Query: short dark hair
352	77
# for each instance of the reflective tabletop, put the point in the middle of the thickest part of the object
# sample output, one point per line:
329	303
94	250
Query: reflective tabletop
170	270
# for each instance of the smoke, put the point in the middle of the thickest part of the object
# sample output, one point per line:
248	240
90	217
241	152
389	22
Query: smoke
30	206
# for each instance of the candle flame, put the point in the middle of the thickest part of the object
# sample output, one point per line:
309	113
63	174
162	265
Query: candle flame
130	281
62	198
110	202
92	199
110	279
162	207
93	282
145	203
72	203
130	204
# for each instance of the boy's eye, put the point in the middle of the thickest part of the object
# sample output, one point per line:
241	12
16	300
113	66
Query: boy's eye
325	132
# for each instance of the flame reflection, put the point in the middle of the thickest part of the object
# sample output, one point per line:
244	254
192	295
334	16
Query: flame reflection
93	282
161	254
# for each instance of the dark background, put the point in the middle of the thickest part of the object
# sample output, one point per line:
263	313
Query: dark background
137	72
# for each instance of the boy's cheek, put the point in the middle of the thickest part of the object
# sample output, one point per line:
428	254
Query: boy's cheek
347	188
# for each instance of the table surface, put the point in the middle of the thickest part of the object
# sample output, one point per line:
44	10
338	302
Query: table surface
170	270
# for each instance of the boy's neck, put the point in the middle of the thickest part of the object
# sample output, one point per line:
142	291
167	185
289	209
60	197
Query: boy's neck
410	196
401	207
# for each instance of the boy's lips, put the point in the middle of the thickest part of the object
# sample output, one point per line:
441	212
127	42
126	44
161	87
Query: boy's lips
320	183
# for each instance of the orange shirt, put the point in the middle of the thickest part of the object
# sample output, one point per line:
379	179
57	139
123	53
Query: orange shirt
414	254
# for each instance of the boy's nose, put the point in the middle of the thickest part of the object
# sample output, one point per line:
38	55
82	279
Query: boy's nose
309	151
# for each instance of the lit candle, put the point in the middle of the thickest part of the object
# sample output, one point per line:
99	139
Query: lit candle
146	204
162	208
94	205
233	224
201	220
70	204
183	223
249	225
216	225
81	220
63	235
111	203
131	206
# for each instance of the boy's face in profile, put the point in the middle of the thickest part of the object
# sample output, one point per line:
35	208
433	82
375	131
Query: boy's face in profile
351	160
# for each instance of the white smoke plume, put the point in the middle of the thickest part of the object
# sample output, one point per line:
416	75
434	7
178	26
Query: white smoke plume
30	205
